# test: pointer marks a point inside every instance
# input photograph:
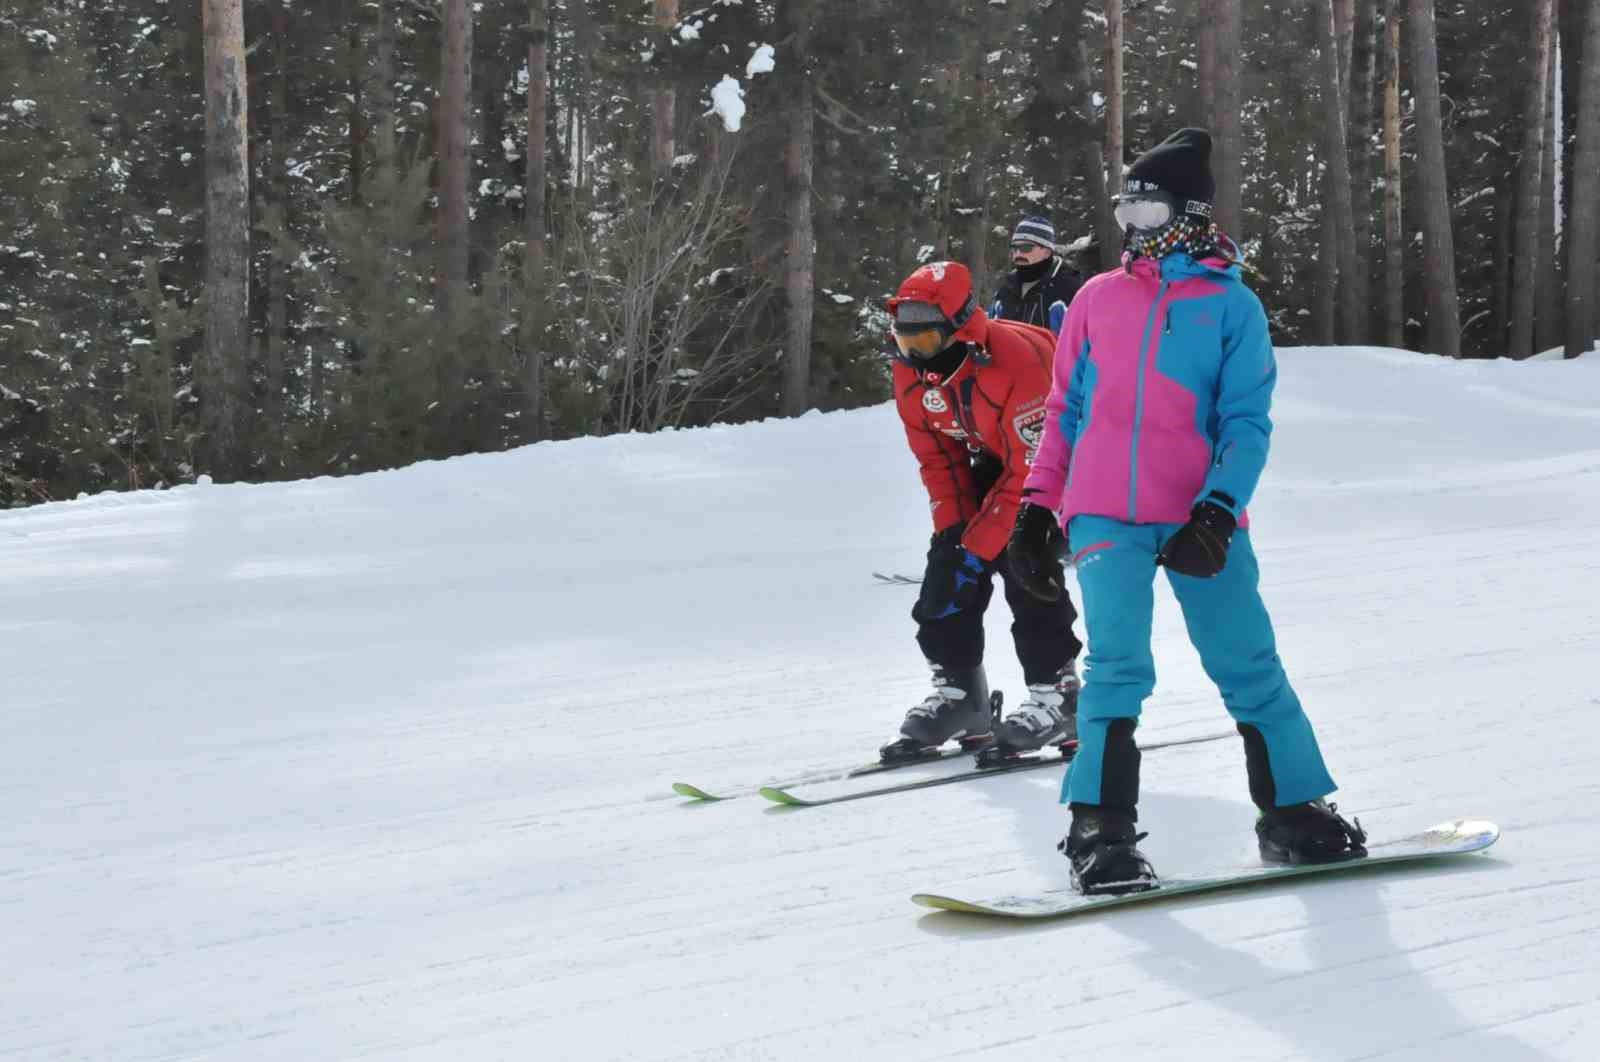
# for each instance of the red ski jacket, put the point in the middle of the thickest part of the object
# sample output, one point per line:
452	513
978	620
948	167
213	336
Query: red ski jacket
993	404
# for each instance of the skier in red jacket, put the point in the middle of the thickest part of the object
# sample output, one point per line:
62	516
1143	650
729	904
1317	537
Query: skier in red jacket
971	395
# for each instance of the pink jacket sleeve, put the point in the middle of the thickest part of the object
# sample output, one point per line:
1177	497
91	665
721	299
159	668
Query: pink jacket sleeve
1047	478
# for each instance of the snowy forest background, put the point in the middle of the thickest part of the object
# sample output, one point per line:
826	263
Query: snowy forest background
266	239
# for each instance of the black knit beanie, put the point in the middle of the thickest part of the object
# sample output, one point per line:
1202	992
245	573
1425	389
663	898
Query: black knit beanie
1180	166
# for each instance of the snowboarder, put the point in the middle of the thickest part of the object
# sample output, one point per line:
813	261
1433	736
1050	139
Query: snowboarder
1155	437
971	395
1041	285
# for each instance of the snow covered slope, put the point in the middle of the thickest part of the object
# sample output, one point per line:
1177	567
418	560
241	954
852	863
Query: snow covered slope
378	767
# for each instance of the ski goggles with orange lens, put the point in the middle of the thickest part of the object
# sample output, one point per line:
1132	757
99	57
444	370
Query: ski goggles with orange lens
921	329
925	342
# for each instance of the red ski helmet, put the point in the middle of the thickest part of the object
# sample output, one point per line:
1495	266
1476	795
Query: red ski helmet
947	285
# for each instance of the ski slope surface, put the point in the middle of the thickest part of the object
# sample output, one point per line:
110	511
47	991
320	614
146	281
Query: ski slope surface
379	767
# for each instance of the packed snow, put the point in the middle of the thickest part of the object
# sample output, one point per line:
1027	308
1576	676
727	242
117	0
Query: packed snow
379	767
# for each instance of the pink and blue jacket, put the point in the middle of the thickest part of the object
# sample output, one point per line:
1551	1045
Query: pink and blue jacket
1160	394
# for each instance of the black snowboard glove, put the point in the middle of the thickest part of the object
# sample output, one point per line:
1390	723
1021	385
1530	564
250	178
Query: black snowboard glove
1035	552
1200	547
954	579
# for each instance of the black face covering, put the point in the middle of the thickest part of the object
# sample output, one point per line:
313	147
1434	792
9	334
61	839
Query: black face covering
1037	271
947	361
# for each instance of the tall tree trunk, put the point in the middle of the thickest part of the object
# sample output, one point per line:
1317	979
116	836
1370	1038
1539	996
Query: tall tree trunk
533	205
1530	182
1344	33
800	264
453	137
386	150
1352	296
1504	249
586	40
1325	271
1583	238
356	56
1394	241
1080	126
1570	15
277	193
227	235
1444	308
1363	75
663	139
1113	64
1229	129
977	237
1206	67
1547	317
1325	300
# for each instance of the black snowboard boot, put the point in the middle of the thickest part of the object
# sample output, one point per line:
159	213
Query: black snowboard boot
958	707
1103	847
1313	832
1049	716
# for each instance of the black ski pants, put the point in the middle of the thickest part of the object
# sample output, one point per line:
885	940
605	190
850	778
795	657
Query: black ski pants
1041	630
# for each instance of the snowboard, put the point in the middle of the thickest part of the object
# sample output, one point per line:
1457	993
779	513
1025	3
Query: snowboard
1446	839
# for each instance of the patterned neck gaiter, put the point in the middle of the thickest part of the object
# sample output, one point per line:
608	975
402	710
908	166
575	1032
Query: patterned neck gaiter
1193	236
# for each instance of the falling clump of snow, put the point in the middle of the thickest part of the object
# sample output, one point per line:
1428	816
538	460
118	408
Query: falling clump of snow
24	107
727	101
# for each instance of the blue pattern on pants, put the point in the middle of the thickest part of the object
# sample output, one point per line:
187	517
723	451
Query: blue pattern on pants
1228	625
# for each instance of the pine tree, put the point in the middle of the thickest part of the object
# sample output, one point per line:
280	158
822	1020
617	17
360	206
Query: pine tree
1583	292
1530	182
227	236
1444	314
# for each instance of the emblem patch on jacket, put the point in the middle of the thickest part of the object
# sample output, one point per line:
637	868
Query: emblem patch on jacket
933	401
1029	426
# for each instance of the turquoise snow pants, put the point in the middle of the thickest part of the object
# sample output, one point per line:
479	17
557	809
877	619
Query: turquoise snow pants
1229	626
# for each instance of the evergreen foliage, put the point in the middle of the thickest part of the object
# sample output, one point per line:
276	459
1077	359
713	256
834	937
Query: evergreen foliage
937	125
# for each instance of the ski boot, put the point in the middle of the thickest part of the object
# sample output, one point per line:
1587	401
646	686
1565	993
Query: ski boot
959	707
1313	832
1103	847
1049	716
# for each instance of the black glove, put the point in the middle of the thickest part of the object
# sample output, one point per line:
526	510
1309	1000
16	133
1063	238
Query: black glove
1035	552
1200	547
954	579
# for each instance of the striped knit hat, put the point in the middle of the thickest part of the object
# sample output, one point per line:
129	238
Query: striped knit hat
1036	230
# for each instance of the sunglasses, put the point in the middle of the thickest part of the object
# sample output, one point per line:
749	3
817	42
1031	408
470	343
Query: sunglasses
1026	248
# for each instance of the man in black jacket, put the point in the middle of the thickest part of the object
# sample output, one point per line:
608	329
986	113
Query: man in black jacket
1041	285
